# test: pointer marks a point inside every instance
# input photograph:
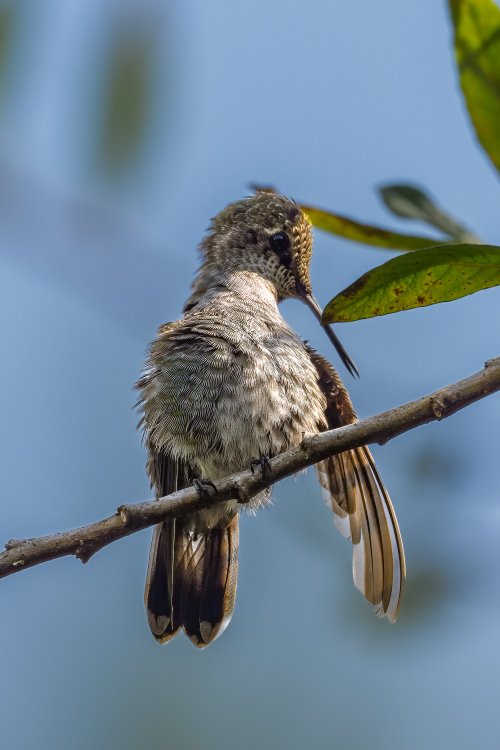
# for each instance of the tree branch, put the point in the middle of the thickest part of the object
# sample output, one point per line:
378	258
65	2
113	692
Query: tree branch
84	542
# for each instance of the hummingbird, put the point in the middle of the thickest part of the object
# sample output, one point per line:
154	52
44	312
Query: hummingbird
227	387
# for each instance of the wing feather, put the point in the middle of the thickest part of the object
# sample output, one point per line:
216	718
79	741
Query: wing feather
361	505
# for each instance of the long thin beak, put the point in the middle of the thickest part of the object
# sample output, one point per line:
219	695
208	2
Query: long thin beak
349	364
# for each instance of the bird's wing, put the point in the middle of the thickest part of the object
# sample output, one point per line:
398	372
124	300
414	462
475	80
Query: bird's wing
168	549
192	571
361	505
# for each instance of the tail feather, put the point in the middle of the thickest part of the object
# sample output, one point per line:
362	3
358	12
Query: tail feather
161	597
361	505
192	580
209	586
363	512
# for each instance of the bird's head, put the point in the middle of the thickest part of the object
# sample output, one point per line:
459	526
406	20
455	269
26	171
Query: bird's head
269	235
266	234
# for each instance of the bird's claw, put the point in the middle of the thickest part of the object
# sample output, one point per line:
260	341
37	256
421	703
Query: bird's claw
264	463
205	488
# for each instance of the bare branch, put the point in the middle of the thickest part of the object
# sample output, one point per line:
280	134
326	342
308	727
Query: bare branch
84	542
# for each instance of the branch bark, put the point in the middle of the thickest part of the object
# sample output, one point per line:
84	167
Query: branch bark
85	541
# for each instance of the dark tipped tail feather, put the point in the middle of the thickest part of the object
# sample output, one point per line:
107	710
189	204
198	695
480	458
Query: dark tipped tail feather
191	580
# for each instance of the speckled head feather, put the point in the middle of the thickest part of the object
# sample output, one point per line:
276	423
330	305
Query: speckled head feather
267	210
267	234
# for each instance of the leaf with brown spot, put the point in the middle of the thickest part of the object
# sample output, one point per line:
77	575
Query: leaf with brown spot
426	277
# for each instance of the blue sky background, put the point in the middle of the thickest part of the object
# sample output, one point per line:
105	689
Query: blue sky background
325	102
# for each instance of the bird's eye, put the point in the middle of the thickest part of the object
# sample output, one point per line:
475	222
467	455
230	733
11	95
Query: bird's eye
280	244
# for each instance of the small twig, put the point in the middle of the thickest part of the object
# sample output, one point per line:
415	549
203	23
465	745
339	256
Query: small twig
84	542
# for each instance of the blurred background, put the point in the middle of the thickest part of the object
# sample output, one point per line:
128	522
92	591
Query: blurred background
125	126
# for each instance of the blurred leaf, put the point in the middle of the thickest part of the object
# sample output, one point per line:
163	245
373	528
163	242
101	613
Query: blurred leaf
437	274
477	51
409	202
434	461
127	97
6	23
426	591
365	233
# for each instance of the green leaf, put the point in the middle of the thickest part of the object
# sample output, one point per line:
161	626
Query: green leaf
477	51
409	202
365	233
437	274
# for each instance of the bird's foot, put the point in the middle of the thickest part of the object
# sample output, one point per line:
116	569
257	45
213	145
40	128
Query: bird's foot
264	463
205	488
